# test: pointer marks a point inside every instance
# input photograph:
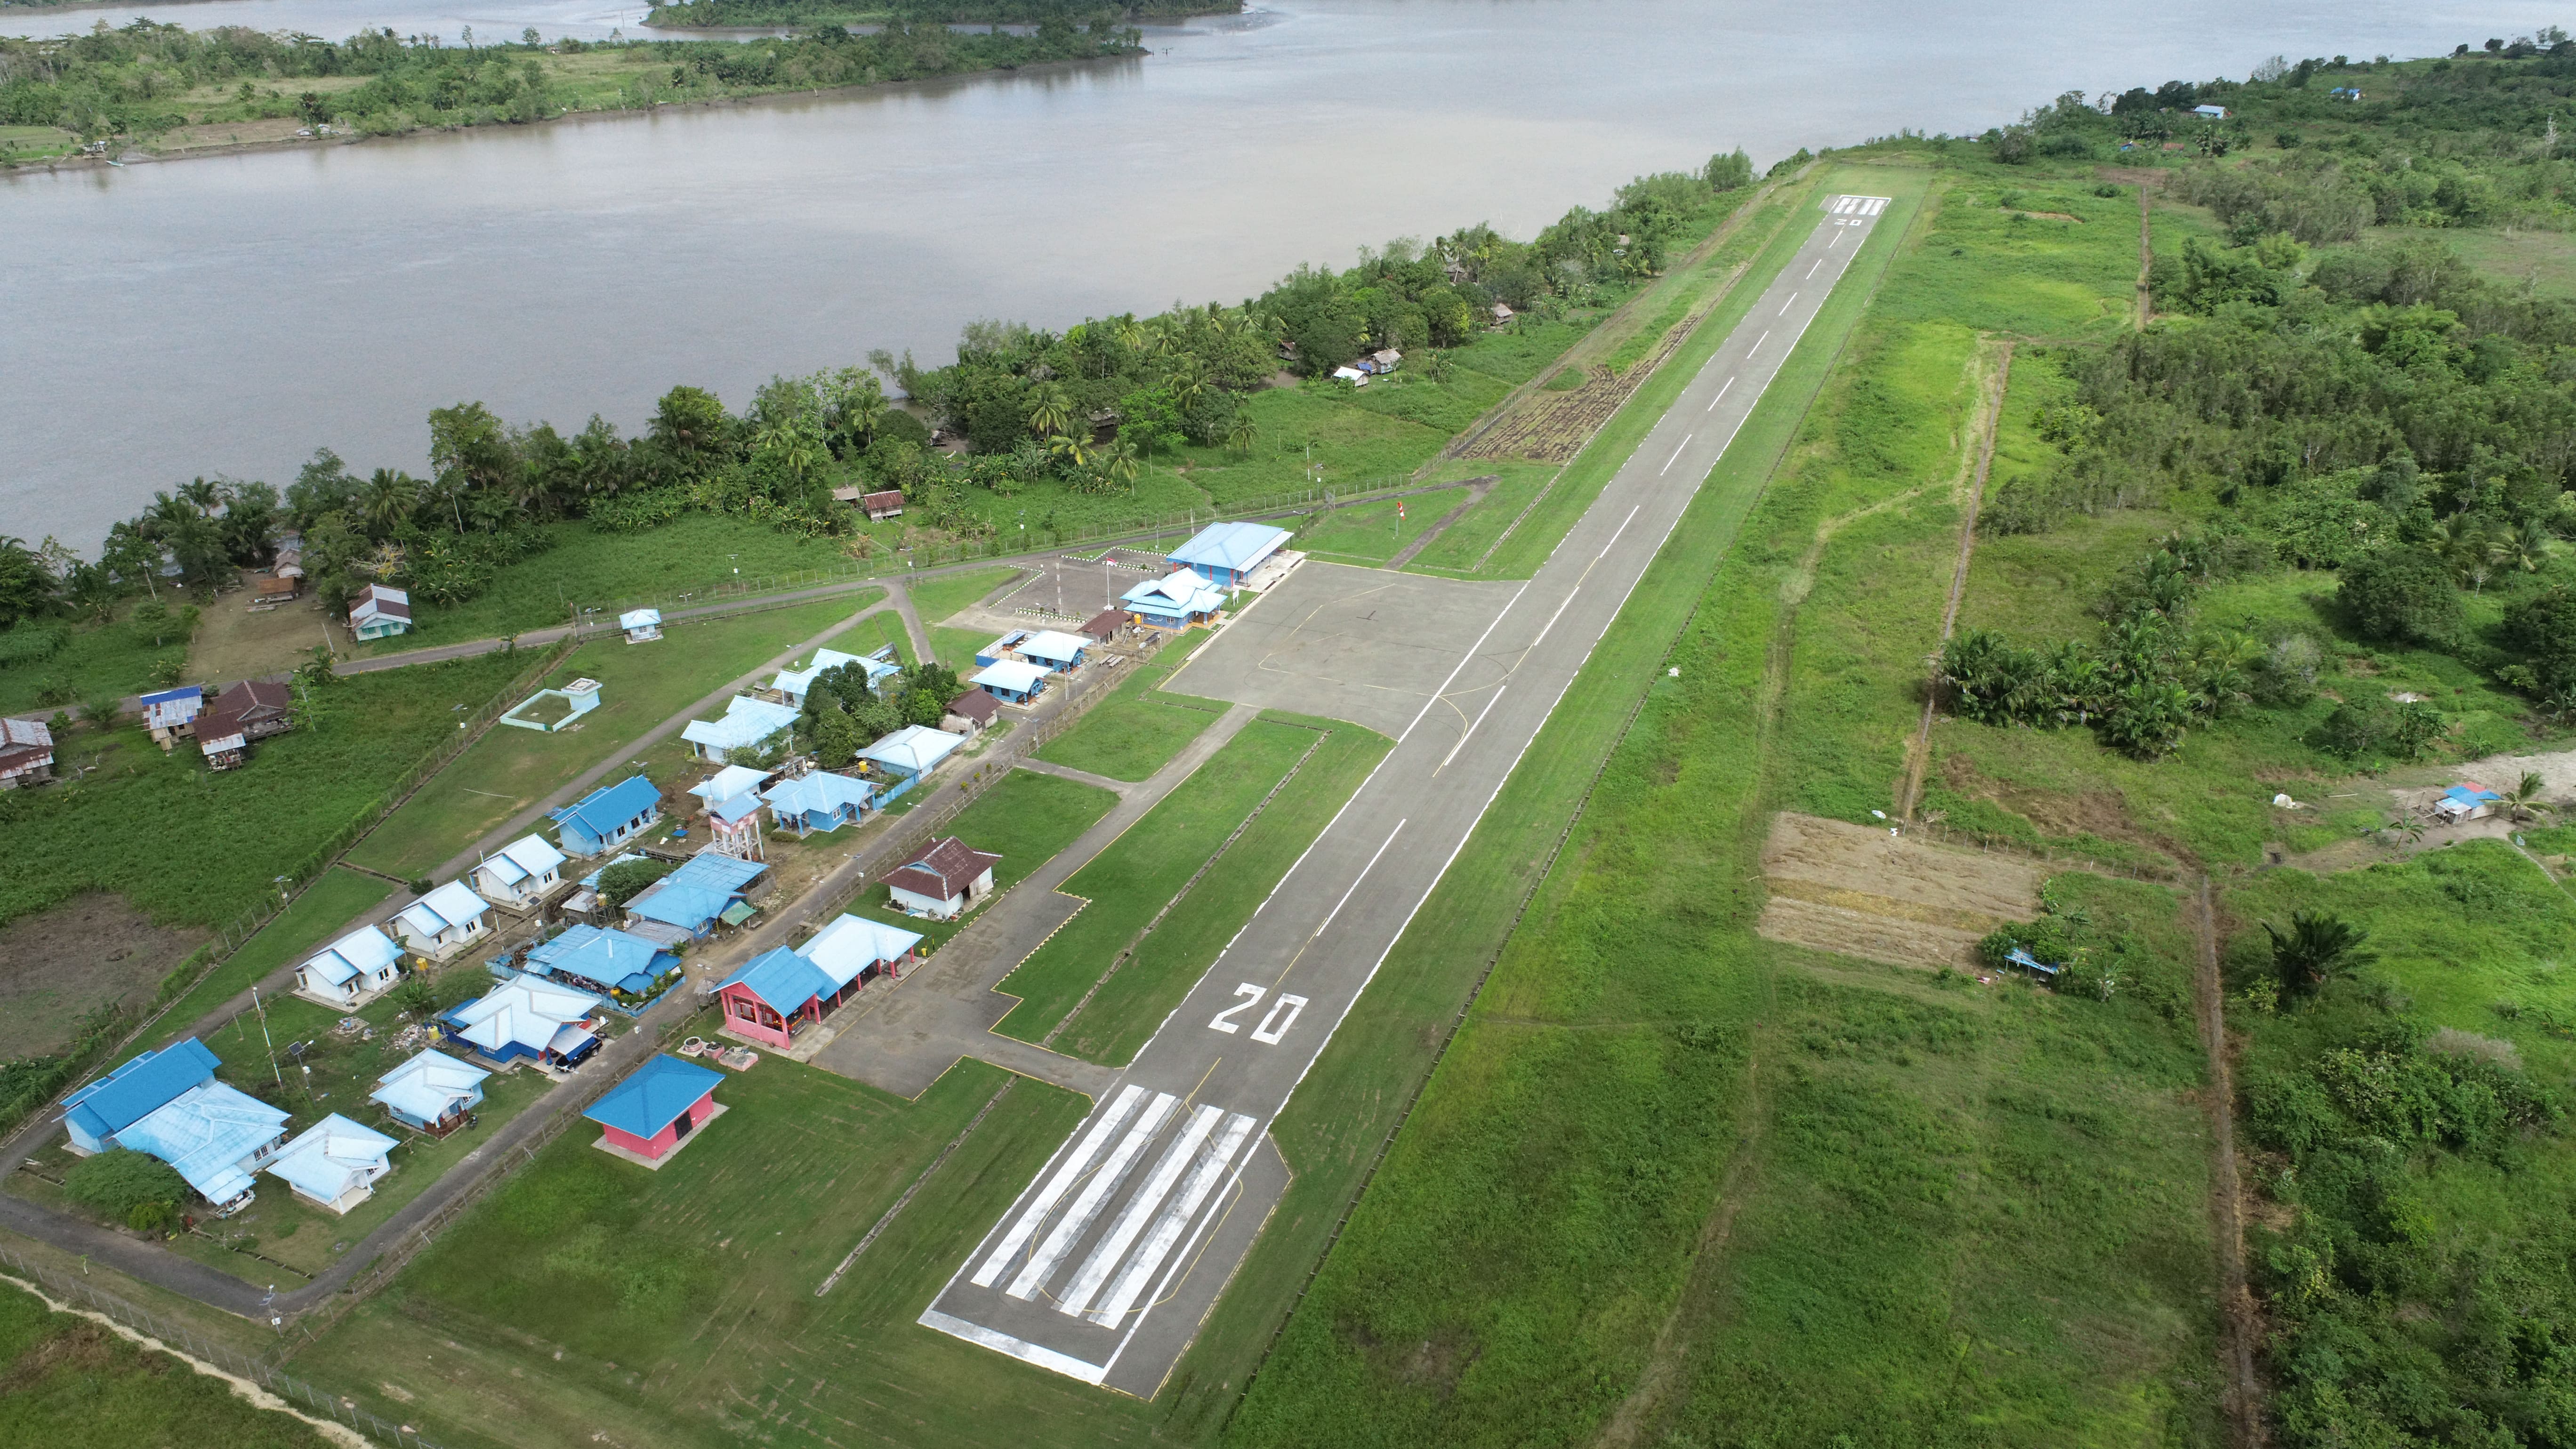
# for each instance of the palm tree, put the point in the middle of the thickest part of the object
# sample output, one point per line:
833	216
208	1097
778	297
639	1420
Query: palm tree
1238	439
2522	802
100	714
2317	948
1071	450
1050	410
1188	379
1119	461
2528	549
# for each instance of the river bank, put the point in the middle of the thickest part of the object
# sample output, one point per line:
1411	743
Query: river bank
735	14
163	91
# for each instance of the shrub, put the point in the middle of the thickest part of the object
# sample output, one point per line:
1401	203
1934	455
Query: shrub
2362	729
620	883
121	1185
2400	595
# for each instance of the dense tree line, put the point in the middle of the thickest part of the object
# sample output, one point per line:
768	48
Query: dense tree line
764	13
145	79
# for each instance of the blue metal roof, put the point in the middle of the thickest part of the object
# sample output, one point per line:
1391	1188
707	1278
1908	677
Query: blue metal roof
697	892
818	791
654	1097
604	810
614	957
1230	546
140	1088
186	691
783	980
206	1133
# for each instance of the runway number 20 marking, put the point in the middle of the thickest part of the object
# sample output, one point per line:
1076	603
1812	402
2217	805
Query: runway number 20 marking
1274	1023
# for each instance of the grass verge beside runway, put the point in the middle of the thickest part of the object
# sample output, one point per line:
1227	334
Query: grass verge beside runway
641	685
1139	729
1027	819
937	597
1132	1004
1140	872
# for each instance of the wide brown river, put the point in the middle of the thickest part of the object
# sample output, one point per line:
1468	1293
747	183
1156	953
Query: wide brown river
231	314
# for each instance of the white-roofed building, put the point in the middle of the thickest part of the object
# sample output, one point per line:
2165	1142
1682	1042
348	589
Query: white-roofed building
731	782
442	922
1052	648
351	971
334	1163
433	1092
908	754
521	875
854	948
642	626
527	1017
796	683
1175	601
1012	681
747	724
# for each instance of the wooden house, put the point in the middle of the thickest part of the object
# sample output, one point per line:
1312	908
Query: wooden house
379	611
26	752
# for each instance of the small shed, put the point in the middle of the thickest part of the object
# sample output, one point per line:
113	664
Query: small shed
1102	627
521	875
944	881
2467	800
171	714
1223	553
1384	360
1351	375
819	801
608	816
2211	113
970	712
351	971
26	752
379	611
440	923
1502	315
278	588
433	1092
748	723
1012	681
334	1164
642	626
646	1117
885	504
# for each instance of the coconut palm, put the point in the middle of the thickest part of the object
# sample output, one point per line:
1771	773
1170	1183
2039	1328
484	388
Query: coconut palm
2522	802
1239	438
1120	463
1050	409
2317	948
1071	450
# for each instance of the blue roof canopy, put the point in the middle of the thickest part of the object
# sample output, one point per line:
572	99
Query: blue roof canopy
654	1097
697	892
783	980
1235	546
607	809
627	962
141	1087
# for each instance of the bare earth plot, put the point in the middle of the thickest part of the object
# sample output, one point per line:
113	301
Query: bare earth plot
1859	891
66	960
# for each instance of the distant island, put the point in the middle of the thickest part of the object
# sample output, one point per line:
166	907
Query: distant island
171	91
754	14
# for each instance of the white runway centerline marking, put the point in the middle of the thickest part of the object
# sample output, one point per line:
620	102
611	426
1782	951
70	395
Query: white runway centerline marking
1363	875
1811	271
1757	344
1792	302
1721	392
1471	731
1676	457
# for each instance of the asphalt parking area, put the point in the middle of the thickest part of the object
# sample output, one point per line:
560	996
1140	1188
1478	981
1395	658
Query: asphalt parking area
1364	645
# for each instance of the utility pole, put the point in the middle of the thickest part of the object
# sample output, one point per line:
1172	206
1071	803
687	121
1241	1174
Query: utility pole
266	1039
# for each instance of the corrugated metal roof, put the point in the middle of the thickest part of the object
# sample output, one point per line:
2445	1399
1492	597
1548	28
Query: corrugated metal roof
606	810
654	1097
205	1133
746	721
1011	676
429	1085
600	954
360	953
1054	646
851	944
1181	591
697	892
453	904
916	748
332	1156
780	980
524	1011
728	782
140	1087
1230	545
817	791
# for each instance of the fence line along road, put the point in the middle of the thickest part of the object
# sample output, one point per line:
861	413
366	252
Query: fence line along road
182	1340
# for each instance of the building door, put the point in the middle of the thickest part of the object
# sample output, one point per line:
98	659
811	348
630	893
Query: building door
684	1124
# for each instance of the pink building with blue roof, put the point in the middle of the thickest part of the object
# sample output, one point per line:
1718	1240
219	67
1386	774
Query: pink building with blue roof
646	1117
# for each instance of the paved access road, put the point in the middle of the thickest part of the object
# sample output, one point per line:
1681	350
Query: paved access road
1111	1258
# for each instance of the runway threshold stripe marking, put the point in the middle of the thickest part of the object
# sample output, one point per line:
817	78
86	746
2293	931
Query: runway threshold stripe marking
1018	1348
1721	392
1676	457
1209	1166
1112	1247
1180	1264
1057	1186
1077	1219
1363	875
1471	732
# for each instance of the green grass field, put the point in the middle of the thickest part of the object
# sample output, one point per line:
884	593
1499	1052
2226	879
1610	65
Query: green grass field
322	913
1132	1004
591	570
641	686
57	665
74	1383
941	595
226	837
1136	876
1025	818
957	647
1138	730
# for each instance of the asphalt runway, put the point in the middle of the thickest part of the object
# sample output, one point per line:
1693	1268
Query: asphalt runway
1108	1262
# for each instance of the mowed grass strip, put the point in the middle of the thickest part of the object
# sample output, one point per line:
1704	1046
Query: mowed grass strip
73	1383
956	647
321	914
1026	818
641	686
587	1296
193	847
1118	1021
937	597
1139	873
1137	730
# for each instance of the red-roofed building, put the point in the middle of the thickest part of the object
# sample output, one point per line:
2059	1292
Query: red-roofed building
944	881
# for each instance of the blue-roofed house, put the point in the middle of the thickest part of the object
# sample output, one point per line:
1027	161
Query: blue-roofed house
1053	649
171	714
728	783
706	889
445	921
1225	553
334	1164
520	875
527	1018
433	1092
1012	681
628	969
819	801
2467	800
215	1136
908	754
1175	601
795	684
351	971
856	949
646	1117
1006	647
143	1085
748	724
609	816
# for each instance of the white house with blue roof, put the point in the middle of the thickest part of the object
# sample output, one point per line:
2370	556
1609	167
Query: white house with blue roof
609	816
171	714
445	921
351	971
747	724
908	754
626	968
795	684
706	889
334	1164
1177	600
1225	554
1011	680
818	801
520	875
526	1018
433	1092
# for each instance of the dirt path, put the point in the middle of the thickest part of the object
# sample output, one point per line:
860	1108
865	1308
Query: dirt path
1991	423
2239	1329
